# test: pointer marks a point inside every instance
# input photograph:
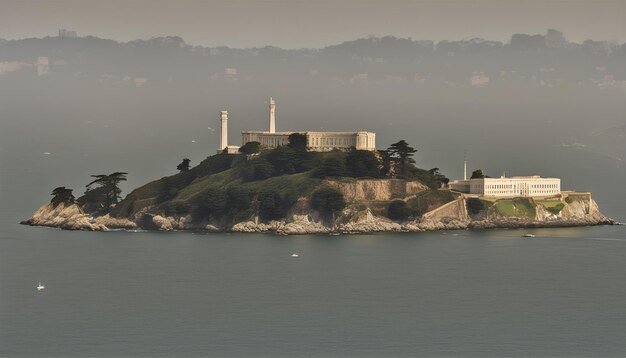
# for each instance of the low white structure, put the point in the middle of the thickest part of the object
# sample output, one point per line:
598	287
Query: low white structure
516	186
315	141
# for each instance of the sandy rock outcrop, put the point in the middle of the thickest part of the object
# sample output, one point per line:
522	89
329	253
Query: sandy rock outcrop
365	221
68	217
115	223
302	224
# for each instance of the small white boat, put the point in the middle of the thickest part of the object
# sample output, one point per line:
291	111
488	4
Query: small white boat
528	235
294	255
40	287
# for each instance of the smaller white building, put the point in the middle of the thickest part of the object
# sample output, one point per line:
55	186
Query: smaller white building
503	187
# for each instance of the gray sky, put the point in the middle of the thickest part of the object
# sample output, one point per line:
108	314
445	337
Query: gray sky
299	23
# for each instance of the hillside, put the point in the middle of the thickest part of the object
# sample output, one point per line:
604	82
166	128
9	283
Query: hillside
292	191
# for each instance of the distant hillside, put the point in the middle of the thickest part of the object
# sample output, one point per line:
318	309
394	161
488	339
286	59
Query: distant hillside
549	59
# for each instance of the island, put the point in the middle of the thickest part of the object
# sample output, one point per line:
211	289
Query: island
316	182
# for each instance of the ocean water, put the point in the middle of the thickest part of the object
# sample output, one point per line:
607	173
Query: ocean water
451	293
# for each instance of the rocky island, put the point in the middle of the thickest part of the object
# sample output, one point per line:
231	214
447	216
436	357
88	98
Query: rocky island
290	190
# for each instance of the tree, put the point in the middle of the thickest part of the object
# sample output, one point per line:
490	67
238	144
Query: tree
362	163
250	148
477	174
401	154
62	195
475	205
107	191
399	210
283	159
328	201
211	202
440	178
297	141
184	165
238	198
259	169
333	166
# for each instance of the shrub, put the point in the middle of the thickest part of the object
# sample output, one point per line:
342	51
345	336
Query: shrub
399	210
328	201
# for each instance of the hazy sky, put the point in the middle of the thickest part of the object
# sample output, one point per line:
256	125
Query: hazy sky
308	23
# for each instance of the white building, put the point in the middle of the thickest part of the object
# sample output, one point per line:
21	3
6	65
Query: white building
503	187
316	141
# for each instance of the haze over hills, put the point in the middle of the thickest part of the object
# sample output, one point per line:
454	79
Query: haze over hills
99	105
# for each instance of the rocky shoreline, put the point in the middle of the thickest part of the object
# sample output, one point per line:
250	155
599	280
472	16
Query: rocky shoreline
452	216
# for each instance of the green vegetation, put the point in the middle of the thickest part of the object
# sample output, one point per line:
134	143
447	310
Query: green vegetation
105	194
328	201
518	207
553	206
477	174
475	206
184	165
429	200
250	148
62	195
401	154
226	188
399	210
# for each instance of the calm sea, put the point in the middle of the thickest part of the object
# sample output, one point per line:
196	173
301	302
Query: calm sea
453	293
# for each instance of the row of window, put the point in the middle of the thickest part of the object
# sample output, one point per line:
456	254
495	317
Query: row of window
332	141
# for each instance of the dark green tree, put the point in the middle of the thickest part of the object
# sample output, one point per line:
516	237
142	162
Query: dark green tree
106	191
297	141
270	205
184	165
250	148
283	159
437	176
477	174
333	166
328	201
62	195
474	205
168	190
401	153
362	164
259	169
399	210
238	198
209	203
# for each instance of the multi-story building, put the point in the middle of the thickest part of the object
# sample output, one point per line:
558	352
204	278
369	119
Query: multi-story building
316	141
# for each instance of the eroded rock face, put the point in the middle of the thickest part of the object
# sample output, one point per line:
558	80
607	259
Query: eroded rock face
68	217
377	189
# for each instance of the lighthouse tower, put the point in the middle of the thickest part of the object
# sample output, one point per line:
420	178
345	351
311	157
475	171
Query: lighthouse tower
224	130
272	128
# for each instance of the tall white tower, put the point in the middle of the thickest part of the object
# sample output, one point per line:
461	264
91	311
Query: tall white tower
464	168
272	115
224	130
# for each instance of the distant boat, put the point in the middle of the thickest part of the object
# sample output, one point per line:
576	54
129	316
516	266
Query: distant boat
528	235
40	287
334	234
294	255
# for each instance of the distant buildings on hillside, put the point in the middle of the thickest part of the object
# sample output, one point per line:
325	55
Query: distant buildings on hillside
63	33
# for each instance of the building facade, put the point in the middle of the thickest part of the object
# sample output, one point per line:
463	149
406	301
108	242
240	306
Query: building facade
516	186
316	141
